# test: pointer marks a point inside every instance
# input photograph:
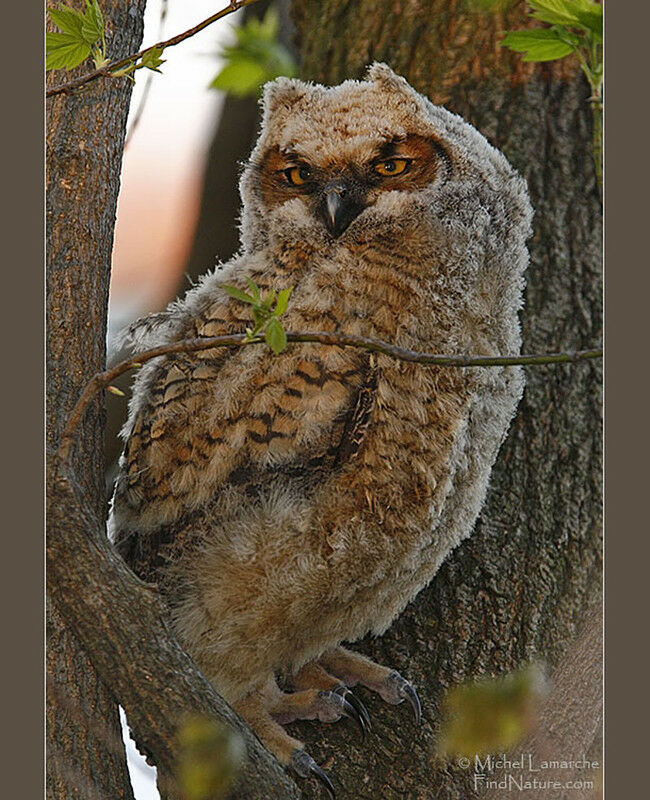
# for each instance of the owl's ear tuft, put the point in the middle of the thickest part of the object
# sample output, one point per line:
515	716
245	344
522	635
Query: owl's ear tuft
281	94
382	74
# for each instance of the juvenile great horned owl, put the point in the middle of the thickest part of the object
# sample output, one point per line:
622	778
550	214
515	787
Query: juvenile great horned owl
285	504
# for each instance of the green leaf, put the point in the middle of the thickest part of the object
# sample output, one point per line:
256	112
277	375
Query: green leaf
257	57
79	32
570	13
593	22
556	12
233	291
540	44
68	20
260	317
283	301
586	5
99	59
92	29
124	71
254	289
275	336
151	59
64	51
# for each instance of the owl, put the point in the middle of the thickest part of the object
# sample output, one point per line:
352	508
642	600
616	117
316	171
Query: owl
288	504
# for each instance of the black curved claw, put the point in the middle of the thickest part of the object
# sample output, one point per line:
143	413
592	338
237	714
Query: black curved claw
321	776
353	700
305	766
348	710
406	692
414	700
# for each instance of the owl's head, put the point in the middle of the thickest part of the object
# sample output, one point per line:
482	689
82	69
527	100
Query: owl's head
331	159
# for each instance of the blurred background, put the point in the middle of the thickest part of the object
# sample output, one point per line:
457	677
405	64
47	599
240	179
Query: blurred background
189	130
173	117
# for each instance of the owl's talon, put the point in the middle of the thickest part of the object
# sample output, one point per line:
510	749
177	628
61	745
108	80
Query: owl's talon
414	700
359	707
406	691
346	708
305	767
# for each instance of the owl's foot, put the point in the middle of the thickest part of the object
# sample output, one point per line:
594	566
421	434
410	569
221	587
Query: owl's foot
313	676
324	705
353	669
256	707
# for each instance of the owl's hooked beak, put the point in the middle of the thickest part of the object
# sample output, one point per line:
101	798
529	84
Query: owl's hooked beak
339	206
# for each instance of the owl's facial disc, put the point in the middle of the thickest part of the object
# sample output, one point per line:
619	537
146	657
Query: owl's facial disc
337	190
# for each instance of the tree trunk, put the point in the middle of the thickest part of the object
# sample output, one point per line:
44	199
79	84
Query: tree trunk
516	590
85	136
124	627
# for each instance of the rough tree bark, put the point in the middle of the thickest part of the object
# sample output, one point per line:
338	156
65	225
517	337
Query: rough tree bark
84	156
520	586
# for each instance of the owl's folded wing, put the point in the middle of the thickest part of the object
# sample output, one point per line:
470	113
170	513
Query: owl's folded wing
234	418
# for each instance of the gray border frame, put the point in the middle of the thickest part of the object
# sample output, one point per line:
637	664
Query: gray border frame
626	202
626	397
22	592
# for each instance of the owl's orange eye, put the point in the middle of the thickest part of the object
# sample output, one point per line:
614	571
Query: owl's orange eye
298	175
392	166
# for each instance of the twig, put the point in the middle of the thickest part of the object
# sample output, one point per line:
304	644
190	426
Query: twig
109	69
103	379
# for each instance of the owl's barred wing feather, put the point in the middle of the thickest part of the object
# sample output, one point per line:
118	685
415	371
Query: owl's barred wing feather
309	466
234	417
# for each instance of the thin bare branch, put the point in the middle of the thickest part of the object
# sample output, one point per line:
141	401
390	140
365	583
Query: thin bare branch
115	66
103	379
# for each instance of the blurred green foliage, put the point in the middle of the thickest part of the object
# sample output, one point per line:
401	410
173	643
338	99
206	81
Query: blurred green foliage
210	756
491	715
255	58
